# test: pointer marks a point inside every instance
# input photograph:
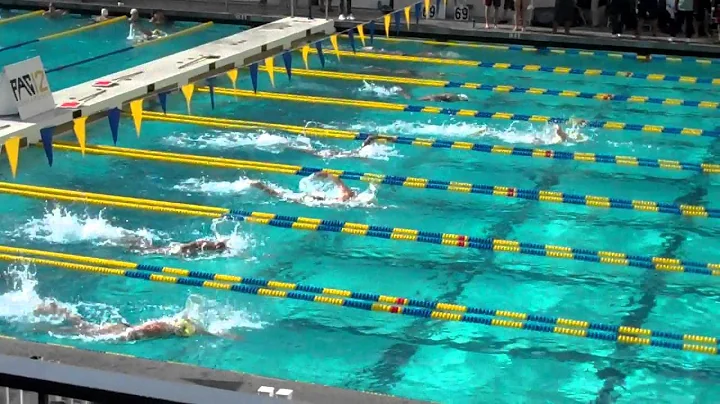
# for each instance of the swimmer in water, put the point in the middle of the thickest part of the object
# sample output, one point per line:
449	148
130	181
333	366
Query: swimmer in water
370	140
53	12
382	51
103	16
137	27
158	19
445	97
346	193
181	327
193	248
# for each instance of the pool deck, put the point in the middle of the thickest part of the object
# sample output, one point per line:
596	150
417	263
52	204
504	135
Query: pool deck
169	73
304	393
255	14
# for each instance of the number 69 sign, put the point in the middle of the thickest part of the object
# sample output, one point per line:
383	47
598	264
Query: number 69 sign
462	13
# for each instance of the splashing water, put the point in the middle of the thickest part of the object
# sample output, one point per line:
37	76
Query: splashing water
217	317
261	140
21	298
379	91
215	187
60	226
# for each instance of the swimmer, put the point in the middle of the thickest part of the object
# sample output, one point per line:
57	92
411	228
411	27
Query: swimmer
53	12
408	73
370	140
346	195
102	17
137	27
382	51
192	248
152	329
158	19
445	97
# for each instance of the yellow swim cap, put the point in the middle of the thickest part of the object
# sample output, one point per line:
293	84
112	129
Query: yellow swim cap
184	327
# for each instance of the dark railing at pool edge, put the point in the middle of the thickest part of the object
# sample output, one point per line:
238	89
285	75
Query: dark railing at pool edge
99	386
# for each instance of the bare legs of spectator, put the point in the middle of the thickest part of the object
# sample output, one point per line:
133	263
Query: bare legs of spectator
496	5
519	15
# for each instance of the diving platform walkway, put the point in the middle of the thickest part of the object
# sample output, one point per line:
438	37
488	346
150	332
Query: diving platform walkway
167	74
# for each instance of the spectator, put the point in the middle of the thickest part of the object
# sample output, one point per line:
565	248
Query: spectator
702	9
564	15
647	11
520	15
508	5
684	17
342	17
496	5
622	15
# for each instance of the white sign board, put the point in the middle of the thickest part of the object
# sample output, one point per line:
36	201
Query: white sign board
25	85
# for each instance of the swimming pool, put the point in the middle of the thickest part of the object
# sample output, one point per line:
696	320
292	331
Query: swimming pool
417	358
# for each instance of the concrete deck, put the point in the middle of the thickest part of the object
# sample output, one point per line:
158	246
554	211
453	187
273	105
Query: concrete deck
171	72
251	13
174	372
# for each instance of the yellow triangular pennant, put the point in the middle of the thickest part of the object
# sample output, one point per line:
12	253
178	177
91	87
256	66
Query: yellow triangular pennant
188	90
80	130
387	25
136	110
361	33
305	53
333	42
233	75
427	8
270	67
407	16
12	148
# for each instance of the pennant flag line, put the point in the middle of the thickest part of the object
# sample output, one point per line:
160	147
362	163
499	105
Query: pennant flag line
407	16
287	60
12	149
46	135
305	53
397	24
187	91
270	67
233	76
162	98
371	28
427	9
211	87
254	76
361	34
418	7
114	121
80	129
318	46
351	37
136	110
387	25
334	43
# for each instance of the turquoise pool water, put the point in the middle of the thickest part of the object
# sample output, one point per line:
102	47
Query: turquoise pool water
416	358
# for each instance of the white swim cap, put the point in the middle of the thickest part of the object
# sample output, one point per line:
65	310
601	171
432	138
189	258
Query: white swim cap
104	12
463	97
133	11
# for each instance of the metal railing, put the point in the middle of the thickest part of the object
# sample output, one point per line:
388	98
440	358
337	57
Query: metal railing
33	381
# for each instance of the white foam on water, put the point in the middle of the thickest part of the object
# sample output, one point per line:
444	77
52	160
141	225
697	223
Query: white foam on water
379	90
61	226
21	299
215	187
260	139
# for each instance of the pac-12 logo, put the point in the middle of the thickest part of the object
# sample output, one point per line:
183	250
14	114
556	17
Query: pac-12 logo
29	85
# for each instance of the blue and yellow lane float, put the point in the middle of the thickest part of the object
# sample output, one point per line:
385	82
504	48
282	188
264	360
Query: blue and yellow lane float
663	264
634	99
374	302
403	181
65	33
558	51
631	161
563	70
506	116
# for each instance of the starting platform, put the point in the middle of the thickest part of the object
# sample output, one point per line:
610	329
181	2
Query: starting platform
167	74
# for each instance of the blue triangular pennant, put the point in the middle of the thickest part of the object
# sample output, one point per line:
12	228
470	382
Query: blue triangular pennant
162	97
46	134
351	36
371	28
211	88
418	9
114	121
287	59
253	75
318	46
397	23
437	6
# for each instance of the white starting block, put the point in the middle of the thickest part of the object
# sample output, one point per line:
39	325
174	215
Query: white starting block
284	393
266	391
